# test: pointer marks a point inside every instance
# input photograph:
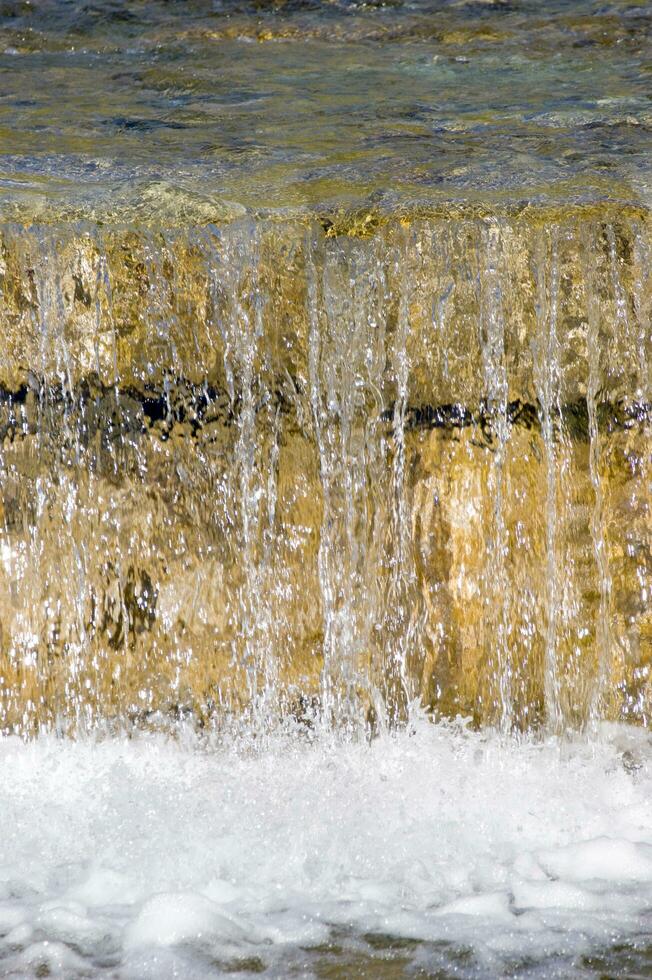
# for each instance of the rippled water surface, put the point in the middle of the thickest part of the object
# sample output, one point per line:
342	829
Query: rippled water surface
192	111
325	416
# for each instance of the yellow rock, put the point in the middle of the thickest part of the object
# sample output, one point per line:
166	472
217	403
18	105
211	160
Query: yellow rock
274	463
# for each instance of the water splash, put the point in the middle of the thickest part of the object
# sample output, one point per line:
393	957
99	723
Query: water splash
273	470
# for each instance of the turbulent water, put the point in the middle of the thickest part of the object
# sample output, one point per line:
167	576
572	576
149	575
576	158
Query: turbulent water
325	489
436	853
262	468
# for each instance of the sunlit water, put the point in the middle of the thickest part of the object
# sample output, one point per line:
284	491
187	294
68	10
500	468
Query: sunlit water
264	469
325	407
437	852
177	112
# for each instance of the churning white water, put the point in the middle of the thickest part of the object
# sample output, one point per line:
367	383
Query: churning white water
438	849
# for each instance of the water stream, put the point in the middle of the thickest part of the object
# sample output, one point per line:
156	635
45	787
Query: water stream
229	481
325	489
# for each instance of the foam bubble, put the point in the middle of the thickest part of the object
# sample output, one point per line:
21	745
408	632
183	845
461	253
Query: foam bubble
174	917
149	856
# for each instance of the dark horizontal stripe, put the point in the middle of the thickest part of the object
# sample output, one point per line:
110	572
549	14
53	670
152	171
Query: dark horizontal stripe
116	411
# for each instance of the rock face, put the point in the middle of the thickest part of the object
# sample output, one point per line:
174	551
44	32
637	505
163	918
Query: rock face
278	464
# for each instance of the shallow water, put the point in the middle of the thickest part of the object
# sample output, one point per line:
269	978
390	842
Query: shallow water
434	852
192	112
325	391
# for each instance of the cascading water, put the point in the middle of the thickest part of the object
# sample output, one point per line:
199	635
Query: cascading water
325	489
244	467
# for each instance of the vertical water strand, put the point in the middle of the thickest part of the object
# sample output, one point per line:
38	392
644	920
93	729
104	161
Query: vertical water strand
118	441
399	596
547	379
91	270
28	629
32	625
266	436
102	305
243	256
272	652
9	554
594	344
220	514
363	457
238	365
238	368
401	370
372	307
245	330
160	311
58	539
102	313
339	279
640	547
441	242
338	381
642	326
81	467
315	306
77	643
226	283
496	389
359	378
342	383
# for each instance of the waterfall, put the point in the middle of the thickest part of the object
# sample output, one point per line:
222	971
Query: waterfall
547	382
271	470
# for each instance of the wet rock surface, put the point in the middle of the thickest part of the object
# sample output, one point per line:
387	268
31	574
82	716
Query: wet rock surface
265	463
326	361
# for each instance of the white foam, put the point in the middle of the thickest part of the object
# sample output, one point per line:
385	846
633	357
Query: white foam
175	917
153	857
603	858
